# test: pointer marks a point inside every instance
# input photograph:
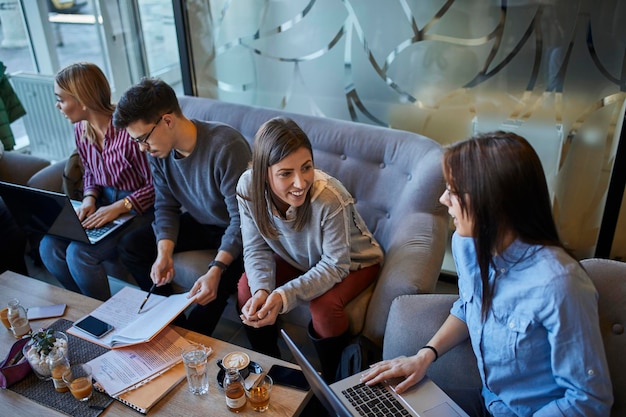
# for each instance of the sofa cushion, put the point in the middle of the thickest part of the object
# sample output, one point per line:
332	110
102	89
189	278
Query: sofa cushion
188	266
49	178
18	168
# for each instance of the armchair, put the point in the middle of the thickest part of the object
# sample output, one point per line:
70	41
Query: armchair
413	319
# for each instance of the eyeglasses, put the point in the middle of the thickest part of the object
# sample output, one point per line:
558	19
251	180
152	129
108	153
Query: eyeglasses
141	140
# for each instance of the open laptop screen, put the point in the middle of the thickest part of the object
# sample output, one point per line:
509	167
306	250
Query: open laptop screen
319	387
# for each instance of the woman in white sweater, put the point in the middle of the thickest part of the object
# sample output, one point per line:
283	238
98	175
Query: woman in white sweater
303	240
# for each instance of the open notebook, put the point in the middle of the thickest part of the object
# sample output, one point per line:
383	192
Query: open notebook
129	326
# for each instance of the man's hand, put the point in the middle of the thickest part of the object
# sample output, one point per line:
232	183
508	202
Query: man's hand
204	290
162	271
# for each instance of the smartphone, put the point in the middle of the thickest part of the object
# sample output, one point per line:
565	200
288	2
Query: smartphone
289	377
93	326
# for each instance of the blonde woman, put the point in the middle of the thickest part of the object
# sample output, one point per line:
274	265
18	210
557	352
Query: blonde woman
117	180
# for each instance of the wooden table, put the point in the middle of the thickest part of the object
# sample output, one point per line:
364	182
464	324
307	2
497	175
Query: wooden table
180	402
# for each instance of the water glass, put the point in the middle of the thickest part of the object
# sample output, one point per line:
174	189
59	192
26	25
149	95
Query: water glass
195	359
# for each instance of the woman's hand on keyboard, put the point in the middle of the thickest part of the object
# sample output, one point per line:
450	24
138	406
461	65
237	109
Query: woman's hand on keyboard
411	369
102	216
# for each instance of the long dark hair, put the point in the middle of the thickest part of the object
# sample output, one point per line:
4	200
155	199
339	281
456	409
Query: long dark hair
502	188
275	140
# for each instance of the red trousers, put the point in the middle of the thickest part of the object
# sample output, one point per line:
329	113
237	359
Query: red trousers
327	311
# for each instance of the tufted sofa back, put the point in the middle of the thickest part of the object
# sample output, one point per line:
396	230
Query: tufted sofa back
395	177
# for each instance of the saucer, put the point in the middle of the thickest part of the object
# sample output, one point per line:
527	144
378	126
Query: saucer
253	368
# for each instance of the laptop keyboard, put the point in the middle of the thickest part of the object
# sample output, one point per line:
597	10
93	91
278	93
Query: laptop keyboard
374	401
96	233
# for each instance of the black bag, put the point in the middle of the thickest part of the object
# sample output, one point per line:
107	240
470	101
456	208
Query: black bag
358	357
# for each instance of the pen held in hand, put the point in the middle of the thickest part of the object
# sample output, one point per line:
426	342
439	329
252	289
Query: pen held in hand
146	299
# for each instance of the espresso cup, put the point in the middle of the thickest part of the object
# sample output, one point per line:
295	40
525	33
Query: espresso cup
239	361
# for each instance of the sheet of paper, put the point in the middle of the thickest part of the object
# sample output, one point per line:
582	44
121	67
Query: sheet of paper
126	368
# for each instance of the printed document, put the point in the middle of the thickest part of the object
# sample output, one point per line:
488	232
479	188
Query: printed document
125	369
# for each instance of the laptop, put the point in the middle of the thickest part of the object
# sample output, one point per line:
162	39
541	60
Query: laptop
47	212
349	397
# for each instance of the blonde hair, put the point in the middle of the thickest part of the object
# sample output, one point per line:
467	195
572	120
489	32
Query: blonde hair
89	86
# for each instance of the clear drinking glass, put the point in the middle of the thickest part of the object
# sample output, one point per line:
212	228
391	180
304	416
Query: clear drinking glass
259	393
195	360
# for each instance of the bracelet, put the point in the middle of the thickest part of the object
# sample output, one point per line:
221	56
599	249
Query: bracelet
90	195
434	351
220	265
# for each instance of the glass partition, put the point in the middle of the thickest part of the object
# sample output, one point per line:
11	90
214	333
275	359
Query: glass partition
550	70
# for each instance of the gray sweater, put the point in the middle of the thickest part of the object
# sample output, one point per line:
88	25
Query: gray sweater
336	242
203	184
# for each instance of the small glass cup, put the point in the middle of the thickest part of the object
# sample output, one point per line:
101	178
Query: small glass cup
195	359
259	393
78	378
4	316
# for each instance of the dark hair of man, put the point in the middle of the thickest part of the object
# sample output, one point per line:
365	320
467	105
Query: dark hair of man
274	141
147	101
501	186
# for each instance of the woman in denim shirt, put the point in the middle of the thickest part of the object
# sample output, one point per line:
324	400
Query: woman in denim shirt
303	240
528	307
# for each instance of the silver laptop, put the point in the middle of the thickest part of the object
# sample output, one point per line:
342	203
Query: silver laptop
47	212
349	397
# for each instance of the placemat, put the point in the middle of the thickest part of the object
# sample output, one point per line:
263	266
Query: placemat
43	392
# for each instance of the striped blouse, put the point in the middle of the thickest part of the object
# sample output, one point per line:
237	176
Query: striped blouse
120	164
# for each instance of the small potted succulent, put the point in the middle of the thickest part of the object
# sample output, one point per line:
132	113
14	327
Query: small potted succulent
41	344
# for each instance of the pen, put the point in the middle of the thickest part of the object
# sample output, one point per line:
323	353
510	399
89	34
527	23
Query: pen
146	299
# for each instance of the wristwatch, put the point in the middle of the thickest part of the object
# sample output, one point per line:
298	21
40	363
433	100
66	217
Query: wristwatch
128	204
220	265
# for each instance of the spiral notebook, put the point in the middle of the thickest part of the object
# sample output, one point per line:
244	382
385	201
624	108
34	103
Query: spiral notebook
146	396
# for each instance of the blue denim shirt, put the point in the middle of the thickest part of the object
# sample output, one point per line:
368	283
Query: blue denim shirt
539	350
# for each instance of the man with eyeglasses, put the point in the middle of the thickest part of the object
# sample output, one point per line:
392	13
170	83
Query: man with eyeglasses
195	167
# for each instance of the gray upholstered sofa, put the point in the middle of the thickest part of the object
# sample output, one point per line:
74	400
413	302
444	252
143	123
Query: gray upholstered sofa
413	319
20	168
395	177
